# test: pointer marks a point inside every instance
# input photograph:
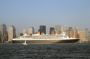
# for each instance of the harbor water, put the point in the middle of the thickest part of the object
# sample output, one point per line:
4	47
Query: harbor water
45	51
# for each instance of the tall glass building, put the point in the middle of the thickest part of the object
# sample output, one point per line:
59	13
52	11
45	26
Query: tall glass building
42	29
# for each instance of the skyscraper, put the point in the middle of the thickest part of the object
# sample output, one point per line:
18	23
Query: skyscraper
76	34
58	29
0	37
70	32
30	30
42	29
11	33
24	31
52	30
3	31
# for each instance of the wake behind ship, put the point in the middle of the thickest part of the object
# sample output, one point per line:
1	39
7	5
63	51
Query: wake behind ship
45	39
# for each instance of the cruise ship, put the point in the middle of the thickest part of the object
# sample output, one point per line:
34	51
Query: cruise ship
45	39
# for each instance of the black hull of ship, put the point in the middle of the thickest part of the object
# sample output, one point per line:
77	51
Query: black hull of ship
48	41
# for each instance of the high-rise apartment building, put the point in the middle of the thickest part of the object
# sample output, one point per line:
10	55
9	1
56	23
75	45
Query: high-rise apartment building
82	35
11	33
87	34
3	31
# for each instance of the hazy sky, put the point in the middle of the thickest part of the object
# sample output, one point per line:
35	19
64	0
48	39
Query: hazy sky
24	13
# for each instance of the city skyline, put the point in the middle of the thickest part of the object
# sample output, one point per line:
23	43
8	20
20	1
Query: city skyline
25	13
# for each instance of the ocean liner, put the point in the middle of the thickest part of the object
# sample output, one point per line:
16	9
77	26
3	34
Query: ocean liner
45	39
